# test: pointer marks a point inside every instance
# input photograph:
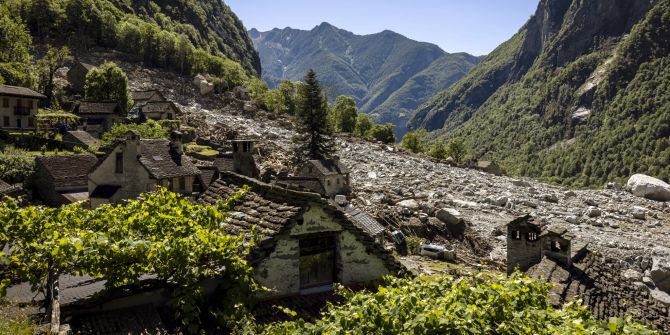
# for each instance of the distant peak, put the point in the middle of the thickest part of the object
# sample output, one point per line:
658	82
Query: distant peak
324	25
254	33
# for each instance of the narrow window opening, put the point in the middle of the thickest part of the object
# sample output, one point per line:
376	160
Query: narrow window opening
119	162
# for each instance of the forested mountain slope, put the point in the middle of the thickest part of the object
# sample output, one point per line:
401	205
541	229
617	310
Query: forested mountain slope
580	95
160	31
388	74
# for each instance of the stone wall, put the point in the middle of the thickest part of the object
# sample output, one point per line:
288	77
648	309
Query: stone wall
280	270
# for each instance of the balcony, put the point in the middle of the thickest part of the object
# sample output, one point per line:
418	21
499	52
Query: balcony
18	110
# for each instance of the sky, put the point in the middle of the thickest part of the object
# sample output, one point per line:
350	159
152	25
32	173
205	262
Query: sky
473	26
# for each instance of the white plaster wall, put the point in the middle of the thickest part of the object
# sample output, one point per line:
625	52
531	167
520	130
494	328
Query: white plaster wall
358	265
9	112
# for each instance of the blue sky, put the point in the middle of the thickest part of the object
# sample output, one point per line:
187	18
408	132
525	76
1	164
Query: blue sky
473	26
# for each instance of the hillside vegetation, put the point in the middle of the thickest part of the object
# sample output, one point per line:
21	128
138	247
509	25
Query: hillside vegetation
591	107
184	35
388	74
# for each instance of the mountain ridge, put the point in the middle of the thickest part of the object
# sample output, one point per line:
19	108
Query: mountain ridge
388	74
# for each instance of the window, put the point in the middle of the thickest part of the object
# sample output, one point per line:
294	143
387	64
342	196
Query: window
328	182
532	236
555	246
338	181
5	102
31	122
119	162
182	184
31	104
5	121
317	261
246	147
19	103
18	123
310	169
169	116
516	235
235	147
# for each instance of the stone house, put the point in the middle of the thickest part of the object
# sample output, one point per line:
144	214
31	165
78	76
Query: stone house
159	110
62	179
135	166
528	243
77	76
98	117
79	138
18	107
328	177
143	97
308	242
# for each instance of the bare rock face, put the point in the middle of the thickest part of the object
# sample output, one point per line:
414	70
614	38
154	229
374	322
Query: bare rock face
452	220
648	187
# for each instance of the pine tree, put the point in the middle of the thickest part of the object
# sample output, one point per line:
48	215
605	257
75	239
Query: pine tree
313	138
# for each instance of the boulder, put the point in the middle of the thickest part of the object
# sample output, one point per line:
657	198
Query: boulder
203	85
452	220
409	204
660	274
648	187
593	212
639	213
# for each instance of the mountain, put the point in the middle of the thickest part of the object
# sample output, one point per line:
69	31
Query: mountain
578	96
388	74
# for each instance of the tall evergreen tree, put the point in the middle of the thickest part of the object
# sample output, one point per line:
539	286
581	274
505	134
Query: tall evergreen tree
313	137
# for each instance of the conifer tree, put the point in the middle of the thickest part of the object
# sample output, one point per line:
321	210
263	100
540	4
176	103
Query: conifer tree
313	137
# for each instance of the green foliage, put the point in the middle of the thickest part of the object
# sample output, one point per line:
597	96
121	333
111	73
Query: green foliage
18	74
169	124
383	133
149	130
16	165
313	133
456	149
363	125
479	304
438	150
414	141
54	59
108	82
15	320
414	244
162	234
50	119
15	40
344	114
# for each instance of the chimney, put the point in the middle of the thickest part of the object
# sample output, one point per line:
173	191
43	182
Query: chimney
175	142
133	143
243	159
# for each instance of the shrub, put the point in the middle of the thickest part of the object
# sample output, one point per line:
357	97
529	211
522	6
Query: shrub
384	133
414	141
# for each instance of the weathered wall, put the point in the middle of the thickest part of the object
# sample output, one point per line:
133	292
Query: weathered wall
280	271
522	253
7	117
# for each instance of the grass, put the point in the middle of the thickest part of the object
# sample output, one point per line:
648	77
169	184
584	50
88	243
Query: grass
201	149
51	153
15	320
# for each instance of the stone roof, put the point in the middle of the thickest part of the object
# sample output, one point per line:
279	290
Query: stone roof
96	107
81	136
302	184
4	187
224	164
135	320
21	92
160	107
67	168
163	162
275	210
208	174
140	96
329	166
364	220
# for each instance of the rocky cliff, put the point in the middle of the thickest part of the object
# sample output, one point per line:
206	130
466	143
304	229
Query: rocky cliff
538	103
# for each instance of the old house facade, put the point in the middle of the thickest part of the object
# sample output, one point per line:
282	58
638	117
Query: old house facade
62	179
162	110
18	107
135	166
98	117
528	243
241	160
143	97
308	242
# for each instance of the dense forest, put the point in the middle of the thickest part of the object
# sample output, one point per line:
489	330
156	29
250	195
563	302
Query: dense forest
185	36
591	107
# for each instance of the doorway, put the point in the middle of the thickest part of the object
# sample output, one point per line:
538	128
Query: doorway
317	261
